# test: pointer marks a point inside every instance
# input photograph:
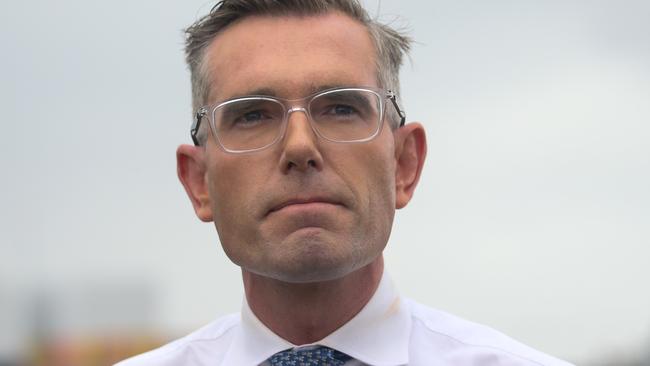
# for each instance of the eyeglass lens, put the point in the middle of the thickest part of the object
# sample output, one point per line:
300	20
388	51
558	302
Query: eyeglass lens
255	122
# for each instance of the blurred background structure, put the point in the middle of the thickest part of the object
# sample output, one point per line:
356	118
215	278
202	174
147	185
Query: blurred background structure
532	216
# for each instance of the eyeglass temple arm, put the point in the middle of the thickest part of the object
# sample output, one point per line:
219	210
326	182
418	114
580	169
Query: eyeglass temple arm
393	98
194	131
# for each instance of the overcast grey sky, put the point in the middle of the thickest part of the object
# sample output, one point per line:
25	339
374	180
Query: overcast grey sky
532	216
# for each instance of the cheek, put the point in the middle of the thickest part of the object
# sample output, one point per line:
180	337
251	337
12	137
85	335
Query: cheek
382	188
373	180
233	191
382	169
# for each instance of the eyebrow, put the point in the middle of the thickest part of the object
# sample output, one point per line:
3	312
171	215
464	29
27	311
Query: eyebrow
270	92
262	91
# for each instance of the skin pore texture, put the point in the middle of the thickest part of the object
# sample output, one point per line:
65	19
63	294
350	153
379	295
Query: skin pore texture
306	219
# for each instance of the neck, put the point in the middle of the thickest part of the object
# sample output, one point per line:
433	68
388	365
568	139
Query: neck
304	313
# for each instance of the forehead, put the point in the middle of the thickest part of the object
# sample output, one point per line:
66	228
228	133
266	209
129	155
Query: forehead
290	55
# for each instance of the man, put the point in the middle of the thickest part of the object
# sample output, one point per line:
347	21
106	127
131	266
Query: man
301	158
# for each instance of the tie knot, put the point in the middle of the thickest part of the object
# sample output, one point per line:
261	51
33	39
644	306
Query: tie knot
318	356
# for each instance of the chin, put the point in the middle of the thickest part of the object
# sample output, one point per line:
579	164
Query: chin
312	263
311	255
309	275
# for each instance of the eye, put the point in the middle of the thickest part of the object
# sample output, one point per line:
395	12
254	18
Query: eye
250	114
251	118
346	106
341	110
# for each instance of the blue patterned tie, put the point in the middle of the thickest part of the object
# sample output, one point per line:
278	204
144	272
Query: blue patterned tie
319	356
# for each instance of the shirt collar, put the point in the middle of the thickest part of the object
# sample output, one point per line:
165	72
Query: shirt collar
378	335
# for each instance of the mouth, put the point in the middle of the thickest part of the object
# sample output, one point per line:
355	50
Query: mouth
304	203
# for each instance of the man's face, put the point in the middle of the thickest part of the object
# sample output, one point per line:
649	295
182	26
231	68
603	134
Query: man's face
304	209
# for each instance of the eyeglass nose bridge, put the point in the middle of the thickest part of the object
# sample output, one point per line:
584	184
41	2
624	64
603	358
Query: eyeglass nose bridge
307	115
297	109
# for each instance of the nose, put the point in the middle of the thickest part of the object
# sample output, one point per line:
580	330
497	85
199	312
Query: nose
300	145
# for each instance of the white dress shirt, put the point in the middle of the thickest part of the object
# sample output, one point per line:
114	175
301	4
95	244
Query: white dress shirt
389	331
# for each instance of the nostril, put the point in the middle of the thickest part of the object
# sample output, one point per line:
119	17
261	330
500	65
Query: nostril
302	166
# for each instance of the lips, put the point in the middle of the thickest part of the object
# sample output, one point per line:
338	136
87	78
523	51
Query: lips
302	201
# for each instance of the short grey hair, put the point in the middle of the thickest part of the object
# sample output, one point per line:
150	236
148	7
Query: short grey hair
390	44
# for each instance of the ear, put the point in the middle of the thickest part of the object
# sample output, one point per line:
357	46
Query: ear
191	169
410	152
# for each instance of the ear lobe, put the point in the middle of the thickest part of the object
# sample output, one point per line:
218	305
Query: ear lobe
191	170
410	153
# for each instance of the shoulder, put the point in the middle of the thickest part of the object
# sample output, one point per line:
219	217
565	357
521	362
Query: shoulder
460	342
213	338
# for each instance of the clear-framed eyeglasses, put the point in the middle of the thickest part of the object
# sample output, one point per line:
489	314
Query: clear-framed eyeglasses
252	123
